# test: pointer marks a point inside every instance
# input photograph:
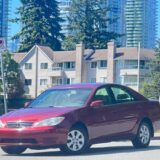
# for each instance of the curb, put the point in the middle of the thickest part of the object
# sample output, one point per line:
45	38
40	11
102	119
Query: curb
156	136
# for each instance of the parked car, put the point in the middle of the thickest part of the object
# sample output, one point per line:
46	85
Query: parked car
73	117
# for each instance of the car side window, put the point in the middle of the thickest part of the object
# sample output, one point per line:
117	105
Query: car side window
121	95
102	94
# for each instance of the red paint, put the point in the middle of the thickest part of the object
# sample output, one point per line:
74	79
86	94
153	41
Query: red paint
114	122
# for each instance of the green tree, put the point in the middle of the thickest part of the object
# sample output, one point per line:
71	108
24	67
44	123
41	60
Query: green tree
14	84
151	88
88	23
40	24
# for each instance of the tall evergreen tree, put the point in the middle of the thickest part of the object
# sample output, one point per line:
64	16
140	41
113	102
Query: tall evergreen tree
40	24
88	23
151	88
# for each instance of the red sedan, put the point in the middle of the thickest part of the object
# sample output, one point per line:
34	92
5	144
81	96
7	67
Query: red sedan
73	117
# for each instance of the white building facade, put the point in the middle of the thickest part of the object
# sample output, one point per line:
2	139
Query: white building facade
42	67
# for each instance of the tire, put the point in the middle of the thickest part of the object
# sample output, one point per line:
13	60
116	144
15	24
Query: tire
77	141
13	149
143	137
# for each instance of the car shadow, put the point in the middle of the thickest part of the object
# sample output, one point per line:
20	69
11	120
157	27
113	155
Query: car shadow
91	152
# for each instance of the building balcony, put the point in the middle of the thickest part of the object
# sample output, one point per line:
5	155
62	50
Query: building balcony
55	72
133	70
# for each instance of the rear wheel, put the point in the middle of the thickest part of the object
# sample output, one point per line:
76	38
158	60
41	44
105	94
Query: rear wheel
143	137
77	141
13	149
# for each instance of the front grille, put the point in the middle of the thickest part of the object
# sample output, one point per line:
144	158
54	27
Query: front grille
9	140
19	124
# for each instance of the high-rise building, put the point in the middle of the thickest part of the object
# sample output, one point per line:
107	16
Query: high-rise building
64	13
140	23
4	18
116	12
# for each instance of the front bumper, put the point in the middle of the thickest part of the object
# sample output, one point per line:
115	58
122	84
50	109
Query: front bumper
33	136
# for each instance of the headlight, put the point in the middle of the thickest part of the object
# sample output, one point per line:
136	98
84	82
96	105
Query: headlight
1	124
49	122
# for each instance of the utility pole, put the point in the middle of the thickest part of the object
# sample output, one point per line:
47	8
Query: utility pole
2	49
138	77
3	83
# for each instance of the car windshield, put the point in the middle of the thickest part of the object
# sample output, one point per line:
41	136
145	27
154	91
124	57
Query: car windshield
61	98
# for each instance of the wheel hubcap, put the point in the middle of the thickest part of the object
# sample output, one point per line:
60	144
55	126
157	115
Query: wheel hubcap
75	140
144	134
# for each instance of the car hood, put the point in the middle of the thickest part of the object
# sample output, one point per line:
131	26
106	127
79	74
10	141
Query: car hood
35	114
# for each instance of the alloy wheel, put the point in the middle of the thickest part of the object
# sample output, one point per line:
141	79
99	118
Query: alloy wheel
144	134
75	140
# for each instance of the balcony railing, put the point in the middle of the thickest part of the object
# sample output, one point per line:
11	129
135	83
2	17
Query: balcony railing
130	84
57	69
56	72
135	67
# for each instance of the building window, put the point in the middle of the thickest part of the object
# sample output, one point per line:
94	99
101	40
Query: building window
43	82
103	64
67	81
131	64
130	80
44	65
59	81
28	82
93	64
93	80
60	65
103	79
28	66
69	65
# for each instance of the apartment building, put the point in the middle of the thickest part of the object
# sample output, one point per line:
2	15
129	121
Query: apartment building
41	67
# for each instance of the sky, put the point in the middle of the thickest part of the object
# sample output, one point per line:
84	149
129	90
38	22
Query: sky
16	27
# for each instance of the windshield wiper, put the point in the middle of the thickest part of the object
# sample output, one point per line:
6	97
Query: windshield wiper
51	106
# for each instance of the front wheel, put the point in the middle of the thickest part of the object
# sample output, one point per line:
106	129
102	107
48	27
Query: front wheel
143	137
77	141
13	149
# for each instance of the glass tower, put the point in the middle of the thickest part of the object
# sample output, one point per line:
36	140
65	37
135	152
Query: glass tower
4	18
64	13
140	23
136	20
116	12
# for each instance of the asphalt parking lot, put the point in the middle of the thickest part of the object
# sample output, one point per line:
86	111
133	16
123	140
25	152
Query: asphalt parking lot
107	151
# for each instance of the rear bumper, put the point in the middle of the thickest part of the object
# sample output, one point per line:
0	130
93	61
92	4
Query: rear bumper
42	136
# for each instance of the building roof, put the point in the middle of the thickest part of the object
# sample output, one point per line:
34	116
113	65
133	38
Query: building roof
64	56
132	54
18	56
47	50
101	54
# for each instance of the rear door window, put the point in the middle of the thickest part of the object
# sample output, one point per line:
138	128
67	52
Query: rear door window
121	95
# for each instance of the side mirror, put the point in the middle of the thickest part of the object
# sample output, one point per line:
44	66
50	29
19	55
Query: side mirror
26	104
98	103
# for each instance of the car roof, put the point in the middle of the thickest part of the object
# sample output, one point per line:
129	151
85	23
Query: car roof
80	85
86	85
